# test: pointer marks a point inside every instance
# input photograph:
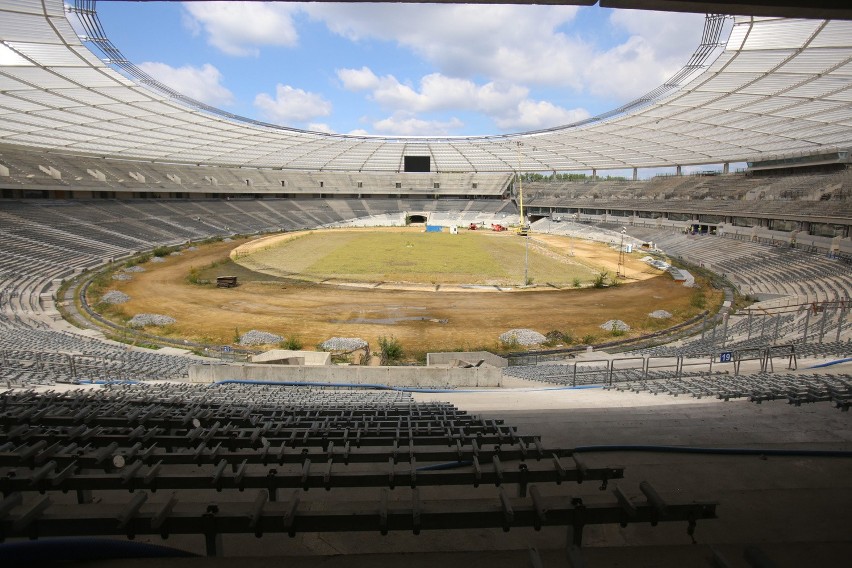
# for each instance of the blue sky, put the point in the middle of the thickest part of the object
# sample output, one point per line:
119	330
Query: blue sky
404	69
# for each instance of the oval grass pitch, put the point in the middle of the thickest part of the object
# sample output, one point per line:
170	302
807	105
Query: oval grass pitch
422	317
411	256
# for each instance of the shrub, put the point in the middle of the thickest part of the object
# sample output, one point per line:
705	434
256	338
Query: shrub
390	348
292	343
140	259
600	280
589	338
576	282
162	251
698	300
194	276
555	336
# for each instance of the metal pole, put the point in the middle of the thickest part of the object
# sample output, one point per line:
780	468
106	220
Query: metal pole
805	332
822	325
526	259
840	319
777	326
749	323
725	331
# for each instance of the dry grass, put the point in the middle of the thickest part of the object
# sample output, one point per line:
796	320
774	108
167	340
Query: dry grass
412	256
422	320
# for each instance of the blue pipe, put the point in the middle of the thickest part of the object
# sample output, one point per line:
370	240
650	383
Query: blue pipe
48	551
716	451
91	382
830	363
387	387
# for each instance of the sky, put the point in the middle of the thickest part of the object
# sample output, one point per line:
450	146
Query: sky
404	69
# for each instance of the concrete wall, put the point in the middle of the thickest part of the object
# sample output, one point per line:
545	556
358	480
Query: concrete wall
447	357
391	376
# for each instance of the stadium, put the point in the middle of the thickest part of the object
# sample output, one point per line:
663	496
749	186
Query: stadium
226	339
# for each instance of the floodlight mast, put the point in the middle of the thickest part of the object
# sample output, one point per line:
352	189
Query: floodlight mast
620	271
520	185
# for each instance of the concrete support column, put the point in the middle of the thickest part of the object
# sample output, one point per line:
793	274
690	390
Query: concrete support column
635	174
594	173
679	171
726	168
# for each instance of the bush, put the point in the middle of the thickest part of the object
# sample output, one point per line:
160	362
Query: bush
162	251
576	282
194	276
588	339
600	280
390	349
555	337
140	259
698	300
292	343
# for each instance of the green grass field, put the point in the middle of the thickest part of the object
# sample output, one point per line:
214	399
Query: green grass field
417	257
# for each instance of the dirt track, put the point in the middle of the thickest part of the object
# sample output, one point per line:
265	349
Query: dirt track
421	320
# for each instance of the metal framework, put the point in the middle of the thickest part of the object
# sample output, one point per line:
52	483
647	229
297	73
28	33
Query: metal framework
776	87
116	449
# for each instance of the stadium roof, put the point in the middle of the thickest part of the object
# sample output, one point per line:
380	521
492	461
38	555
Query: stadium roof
775	87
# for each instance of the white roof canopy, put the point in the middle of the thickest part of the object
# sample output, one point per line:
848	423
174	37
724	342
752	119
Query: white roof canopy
778	87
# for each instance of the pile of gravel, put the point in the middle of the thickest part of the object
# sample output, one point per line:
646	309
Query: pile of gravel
158	259
115	297
227	240
191	248
615	325
255	337
343	344
122	276
134	268
175	253
522	337
141	320
660	314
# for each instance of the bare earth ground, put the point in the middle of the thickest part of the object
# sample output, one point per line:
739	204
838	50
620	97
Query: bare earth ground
421	319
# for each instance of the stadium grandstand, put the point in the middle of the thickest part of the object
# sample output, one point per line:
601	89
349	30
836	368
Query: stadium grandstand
722	442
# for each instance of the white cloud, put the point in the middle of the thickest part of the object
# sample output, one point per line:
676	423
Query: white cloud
436	92
320	127
501	42
292	105
238	28
203	84
358	79
404	124
525	45
507	105
659	44
534	115
486	59
667	33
